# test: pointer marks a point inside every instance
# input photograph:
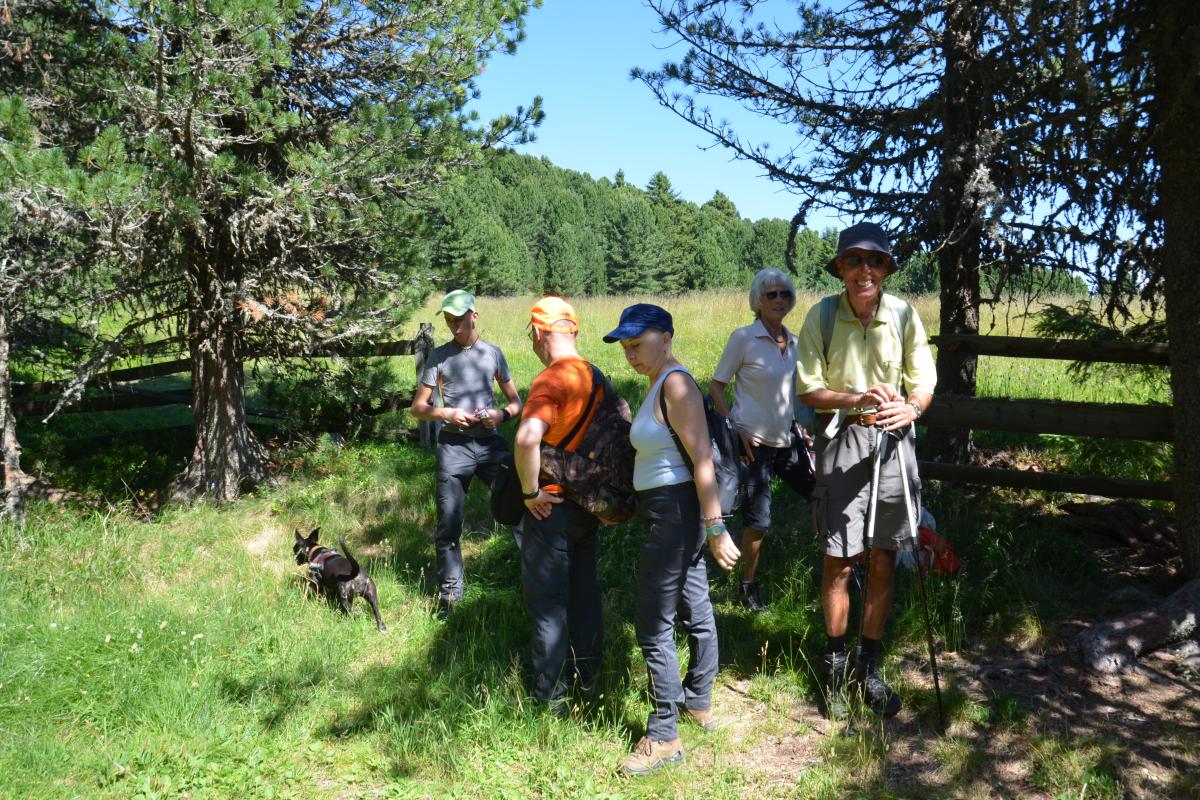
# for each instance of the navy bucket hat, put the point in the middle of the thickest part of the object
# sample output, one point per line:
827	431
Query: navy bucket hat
638	318
863	236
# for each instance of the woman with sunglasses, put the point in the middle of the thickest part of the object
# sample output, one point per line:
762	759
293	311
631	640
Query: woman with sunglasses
865	363
760	359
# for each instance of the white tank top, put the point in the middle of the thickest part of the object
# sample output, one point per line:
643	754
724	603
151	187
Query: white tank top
658	462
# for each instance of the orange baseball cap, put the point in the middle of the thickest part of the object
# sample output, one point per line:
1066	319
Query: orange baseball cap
549	311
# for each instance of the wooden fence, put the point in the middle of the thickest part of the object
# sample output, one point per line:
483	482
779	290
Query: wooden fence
114	390
1120	421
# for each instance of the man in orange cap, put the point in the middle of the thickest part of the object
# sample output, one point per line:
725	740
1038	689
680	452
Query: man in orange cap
559	544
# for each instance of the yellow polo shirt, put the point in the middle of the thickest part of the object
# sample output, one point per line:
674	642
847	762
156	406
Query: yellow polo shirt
862	356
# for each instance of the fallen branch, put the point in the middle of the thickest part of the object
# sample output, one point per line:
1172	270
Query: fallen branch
1115	645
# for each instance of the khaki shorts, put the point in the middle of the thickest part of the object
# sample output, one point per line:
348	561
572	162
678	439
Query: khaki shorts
843	490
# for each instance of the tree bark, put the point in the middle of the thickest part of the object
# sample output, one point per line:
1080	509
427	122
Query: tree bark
1175	53
228	458
1114	645
15	480
959	254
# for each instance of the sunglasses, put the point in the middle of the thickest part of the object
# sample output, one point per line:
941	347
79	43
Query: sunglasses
772	295
874	261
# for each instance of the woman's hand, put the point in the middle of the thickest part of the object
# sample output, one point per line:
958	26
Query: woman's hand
721	545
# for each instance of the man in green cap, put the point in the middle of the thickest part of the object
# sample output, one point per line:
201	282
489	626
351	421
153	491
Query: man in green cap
461	372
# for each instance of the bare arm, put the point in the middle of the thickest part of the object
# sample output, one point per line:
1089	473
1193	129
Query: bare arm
495	416
422	408
528	459
685	407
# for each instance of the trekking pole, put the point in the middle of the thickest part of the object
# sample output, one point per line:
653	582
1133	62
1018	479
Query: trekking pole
872	506
916	544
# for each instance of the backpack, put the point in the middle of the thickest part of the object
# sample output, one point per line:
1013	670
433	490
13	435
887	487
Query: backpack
598	473
726	451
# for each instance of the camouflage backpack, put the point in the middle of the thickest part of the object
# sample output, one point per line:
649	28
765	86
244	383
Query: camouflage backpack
598	473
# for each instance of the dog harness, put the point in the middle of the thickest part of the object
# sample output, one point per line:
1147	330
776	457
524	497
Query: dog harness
316	564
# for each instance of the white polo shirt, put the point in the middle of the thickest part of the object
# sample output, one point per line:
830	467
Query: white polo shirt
764	393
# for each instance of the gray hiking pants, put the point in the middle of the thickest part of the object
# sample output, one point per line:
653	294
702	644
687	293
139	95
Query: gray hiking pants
673	586
459	458
562	595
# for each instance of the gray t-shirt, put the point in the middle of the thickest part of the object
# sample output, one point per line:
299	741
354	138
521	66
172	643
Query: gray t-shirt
462	378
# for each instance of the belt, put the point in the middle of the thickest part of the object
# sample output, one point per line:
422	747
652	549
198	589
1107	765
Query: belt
866	420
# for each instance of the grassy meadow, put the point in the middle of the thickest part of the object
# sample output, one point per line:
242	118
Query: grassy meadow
178	656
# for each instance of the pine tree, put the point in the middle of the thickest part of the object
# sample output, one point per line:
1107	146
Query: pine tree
288	151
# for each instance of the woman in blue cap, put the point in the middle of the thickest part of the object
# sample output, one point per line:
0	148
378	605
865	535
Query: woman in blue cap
680	510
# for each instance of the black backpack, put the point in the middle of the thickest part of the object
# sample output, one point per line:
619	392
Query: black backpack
726	451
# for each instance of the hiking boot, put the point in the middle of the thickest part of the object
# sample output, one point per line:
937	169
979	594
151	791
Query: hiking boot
837	669
649	756
750	597
702	717
878	696
445	605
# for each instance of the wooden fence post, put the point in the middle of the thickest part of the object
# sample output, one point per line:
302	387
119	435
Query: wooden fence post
423	346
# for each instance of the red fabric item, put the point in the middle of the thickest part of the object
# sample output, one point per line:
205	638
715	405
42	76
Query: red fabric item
937	549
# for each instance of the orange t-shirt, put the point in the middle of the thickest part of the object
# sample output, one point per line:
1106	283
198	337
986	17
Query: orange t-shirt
558	397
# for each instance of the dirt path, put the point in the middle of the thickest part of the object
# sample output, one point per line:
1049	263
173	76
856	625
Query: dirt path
1025	725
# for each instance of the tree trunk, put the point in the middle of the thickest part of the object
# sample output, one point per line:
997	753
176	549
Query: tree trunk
10	449
1175	52
228	458
1114	645
958	256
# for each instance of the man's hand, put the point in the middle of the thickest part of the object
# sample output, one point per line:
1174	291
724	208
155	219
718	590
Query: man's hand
723	550
542	505
490	418
748	443
460	417
879	395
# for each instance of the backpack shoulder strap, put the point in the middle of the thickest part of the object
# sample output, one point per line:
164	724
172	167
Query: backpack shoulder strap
662	406
828	319
597	382
901	311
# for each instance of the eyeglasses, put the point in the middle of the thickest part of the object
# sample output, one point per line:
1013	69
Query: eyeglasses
856	260
772	295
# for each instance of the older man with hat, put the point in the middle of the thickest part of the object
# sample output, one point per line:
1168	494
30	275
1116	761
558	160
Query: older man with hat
864	363
560	547
461	373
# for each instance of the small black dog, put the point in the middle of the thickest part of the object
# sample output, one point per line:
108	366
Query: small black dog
338	577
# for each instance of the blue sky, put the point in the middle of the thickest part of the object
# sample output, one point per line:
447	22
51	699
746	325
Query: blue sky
577	55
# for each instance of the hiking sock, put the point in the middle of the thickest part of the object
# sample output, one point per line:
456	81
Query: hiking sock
836	644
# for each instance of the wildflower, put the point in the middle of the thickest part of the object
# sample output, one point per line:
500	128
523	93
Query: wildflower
107	638
162	624
133	648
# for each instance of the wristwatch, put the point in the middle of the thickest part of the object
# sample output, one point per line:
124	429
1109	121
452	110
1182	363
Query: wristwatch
504	413
917	408
531	495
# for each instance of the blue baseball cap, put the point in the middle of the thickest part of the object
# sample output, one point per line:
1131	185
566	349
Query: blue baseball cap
637	318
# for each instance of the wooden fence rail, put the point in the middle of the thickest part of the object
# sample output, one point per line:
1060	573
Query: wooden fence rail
1151	353
1111	420
34	399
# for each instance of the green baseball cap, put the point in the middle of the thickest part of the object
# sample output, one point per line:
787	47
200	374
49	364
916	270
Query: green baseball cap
458	302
